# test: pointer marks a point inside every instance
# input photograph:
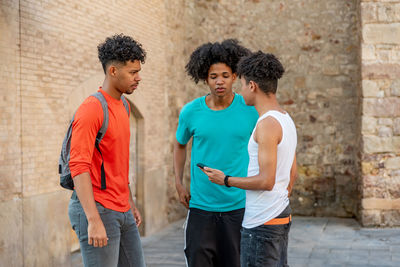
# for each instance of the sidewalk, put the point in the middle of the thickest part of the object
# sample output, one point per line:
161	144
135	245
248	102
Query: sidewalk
312	242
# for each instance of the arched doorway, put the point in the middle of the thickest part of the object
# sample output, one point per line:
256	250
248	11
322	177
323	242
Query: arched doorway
136	160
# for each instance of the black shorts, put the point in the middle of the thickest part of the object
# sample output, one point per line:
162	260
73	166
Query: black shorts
213	238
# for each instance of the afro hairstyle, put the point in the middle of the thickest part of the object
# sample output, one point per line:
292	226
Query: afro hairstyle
120	48
228	52
264	69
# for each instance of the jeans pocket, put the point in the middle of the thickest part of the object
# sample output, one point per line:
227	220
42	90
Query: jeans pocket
268	250
245	240
246	248
83	227
74	219
74	211
100	208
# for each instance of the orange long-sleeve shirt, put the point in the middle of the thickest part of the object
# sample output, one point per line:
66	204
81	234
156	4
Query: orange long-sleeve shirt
114	146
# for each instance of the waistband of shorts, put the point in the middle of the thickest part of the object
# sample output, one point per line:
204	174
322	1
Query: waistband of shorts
205	212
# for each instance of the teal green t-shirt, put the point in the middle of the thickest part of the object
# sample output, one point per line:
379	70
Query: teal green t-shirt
220	140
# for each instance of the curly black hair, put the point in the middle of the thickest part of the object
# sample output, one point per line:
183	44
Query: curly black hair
228	52
120	48
264	69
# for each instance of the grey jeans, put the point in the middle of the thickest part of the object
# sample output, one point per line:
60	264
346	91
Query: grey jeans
265	245
124	247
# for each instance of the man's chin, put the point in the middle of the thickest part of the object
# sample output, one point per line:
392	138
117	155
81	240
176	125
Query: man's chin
221	94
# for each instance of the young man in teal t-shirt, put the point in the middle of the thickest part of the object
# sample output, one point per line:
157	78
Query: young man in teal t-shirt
220	124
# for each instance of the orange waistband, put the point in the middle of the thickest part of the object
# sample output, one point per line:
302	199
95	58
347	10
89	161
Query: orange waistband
278	221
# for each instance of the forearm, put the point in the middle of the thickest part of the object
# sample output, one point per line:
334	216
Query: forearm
84	191
290	186
293	176
257	182
131	200
179	162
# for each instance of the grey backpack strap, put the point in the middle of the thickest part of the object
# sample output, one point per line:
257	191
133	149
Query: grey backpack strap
104	105
63	162
126	105
101	134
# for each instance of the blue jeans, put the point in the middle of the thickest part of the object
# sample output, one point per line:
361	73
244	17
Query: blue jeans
124	247
265	245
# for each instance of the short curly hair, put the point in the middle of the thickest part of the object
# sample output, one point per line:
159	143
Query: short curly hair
120	48
264	69
228	52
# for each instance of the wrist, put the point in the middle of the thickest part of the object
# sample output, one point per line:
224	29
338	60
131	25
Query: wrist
178	185
93	219
226	182
133	206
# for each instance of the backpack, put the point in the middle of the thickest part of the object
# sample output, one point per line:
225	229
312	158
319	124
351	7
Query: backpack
63	163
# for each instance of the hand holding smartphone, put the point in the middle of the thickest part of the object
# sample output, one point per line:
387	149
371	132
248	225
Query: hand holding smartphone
200	165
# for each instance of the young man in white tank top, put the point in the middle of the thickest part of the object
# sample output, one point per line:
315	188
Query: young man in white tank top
272	167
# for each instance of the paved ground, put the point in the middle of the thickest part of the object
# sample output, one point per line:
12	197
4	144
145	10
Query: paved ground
312	242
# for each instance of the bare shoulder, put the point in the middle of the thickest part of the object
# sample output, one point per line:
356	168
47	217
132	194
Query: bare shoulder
268	128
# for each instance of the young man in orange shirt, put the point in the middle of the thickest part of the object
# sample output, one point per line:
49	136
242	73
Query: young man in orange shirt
106	220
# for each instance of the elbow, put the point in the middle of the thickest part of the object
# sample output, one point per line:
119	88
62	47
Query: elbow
179	146
268	184
268	187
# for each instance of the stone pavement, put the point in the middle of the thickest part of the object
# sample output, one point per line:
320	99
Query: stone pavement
312	242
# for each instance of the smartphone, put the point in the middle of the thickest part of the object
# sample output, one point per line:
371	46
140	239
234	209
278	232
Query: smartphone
200	165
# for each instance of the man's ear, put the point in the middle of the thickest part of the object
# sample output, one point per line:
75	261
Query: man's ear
234	76
253	86
112	70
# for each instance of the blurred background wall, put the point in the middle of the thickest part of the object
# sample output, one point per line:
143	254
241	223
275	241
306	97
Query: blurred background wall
342	87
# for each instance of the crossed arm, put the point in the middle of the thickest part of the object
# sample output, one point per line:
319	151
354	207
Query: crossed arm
268	135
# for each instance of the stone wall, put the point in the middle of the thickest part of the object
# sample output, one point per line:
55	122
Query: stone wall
318	44
341	87
380	147
178	95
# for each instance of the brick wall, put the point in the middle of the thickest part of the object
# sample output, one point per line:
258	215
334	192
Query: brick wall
10	137
380	52
49	55
330	49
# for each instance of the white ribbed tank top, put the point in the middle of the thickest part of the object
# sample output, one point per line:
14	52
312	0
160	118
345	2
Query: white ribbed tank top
262	206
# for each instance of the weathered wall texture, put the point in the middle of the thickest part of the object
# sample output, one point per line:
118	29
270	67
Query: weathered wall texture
11	230
49	65
318	44
380	52
177	95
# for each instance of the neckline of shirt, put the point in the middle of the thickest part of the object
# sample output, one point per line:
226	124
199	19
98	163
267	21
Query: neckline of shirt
204	104
109	98
272	111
